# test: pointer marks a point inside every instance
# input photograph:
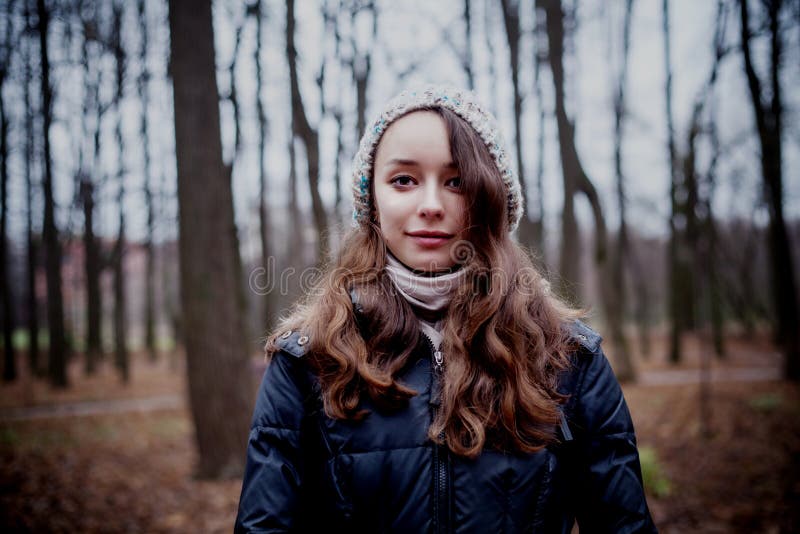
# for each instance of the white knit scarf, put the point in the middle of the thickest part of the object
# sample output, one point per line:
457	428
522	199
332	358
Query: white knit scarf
431	294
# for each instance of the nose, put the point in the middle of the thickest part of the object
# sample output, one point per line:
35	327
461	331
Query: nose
431	206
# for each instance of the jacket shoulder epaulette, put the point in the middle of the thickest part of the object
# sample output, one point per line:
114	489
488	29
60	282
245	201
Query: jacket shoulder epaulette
585	336
292	342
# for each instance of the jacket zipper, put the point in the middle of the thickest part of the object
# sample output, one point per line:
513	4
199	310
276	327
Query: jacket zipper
440	454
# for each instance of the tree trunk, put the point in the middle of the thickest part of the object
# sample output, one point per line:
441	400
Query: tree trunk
680	303
228	168
57	354
575	178
361	65
296	248
488	16
468	45
690	235
233	95
92	272
769	117
121	360
641	285
34	364
540	146
700	227
217	362
337	177
9	361
86	191
710	231
341	95
617	267
119	319
309	136
569	262
527	228
268	318
150	263
569	267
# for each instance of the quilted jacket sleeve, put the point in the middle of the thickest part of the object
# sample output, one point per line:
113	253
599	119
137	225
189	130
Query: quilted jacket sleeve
274	470
610	491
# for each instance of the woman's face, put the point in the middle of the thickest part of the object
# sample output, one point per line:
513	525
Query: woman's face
417	193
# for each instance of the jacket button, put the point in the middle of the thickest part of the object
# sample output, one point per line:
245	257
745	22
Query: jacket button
286	334
302	340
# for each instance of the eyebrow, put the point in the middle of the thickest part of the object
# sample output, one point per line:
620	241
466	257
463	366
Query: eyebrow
411	162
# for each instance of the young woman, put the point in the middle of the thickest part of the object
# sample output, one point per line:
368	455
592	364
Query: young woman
433	383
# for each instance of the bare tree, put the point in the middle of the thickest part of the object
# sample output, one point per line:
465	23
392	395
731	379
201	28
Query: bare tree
577	181
34	365
680	273
705	257
308	135
488	17
332	23
361	63
575	178
769	125
9	361
467	15
619	260
233	94
539	33
228	167
529	231
701	188
738	244
144	132
263	212
121	358
86	193
710	231
57	354
216	351
296	246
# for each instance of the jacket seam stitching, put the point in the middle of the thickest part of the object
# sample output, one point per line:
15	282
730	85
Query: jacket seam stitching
422	446
261	428
579	388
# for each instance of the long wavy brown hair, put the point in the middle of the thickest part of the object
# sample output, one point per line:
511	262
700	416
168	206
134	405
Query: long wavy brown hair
505	336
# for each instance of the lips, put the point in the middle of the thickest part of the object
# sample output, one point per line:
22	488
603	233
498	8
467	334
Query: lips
429	233
430	238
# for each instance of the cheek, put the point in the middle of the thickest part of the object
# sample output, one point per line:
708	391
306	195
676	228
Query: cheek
390	210
459	209
390	223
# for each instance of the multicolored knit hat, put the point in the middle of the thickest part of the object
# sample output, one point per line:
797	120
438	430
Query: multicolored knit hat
466	106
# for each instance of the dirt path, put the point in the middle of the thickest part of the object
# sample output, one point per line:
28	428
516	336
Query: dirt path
97	407
670	377
175	401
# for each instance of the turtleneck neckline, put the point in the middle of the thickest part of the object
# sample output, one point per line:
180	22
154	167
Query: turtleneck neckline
429	294
395	261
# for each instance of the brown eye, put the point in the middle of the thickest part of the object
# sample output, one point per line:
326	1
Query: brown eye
401	180
455	182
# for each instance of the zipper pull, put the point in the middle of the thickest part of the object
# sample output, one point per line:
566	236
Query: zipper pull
439	357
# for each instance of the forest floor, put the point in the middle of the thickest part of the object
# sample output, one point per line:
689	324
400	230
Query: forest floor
102	457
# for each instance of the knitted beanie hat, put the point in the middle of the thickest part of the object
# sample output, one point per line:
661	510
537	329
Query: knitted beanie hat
466	106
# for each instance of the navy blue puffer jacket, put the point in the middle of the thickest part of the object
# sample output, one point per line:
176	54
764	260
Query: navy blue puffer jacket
309	473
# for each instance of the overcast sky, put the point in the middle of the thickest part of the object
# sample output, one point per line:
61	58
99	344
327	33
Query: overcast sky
412	32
